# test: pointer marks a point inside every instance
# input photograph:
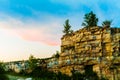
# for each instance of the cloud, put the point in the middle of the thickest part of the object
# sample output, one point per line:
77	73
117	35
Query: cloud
39	35
18	44
47	27
32	30
14	48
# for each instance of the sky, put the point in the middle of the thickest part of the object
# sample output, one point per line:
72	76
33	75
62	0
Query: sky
34	27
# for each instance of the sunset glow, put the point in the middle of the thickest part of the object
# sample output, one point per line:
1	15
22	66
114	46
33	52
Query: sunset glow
35	26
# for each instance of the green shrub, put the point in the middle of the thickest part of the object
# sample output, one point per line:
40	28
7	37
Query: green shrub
2	72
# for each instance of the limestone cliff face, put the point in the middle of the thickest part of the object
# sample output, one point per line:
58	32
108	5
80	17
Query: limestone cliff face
97	46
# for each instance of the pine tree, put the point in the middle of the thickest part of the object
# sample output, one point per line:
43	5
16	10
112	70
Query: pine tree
67	27
90	20
106	23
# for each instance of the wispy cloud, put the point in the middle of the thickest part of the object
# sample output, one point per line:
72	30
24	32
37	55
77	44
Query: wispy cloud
47	28
48	33
41	21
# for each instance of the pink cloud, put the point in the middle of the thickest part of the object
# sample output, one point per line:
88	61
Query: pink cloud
38	35
47	32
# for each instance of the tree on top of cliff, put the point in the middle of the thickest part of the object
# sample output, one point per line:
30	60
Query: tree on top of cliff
106	23
90	20
67	27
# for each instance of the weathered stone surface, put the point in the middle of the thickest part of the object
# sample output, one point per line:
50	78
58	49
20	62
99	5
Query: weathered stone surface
96	46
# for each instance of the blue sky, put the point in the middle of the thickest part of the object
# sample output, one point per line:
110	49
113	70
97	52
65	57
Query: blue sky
35	26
